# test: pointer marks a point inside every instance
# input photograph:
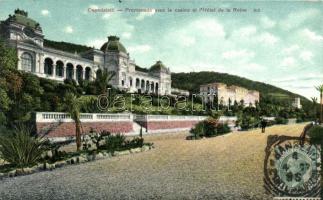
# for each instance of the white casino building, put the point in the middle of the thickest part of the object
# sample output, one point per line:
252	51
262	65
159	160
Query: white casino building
25	34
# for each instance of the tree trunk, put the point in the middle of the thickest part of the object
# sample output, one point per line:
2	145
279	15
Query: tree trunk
321	104
78	135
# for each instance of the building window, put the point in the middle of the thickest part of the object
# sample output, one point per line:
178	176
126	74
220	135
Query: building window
69	71
59	68
79	72
48	66
122	82
87	73
27	62
137	83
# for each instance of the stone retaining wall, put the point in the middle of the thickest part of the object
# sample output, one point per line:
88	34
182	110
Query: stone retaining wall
60	125
160	123
157	125
67	129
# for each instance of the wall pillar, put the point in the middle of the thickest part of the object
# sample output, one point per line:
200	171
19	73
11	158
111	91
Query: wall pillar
92	75
148	89
54	70
152	86
64	71
36	63
74	72
41	64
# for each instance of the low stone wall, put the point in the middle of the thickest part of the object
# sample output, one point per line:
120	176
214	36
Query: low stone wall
60	125
156	125
167	123
67	129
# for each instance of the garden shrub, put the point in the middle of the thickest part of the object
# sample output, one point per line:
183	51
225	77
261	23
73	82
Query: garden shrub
247	122
135	142
106	141
208	128
94	141
299	120
114	142
198	130
281	120
316	135
21	149
223	128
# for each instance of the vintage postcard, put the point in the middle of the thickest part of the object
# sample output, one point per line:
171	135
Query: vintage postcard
161	99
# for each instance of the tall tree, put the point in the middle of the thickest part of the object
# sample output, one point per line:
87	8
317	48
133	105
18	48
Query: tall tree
320	89
8	57
314	101
72	105
103	77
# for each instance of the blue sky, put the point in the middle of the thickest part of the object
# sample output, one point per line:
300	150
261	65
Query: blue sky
280	45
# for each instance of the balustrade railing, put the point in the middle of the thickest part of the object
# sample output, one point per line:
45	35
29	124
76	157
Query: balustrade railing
93	117
168	117
86	117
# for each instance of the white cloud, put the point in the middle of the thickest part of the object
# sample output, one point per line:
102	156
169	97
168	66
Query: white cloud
208	27
68	29
239	54
106	15
306	56
143	15
186	40
199	66
295	50
268	39
45	12
97	43
198	31
296	19
291	49
246	31
139	48
299	77
250	35
255	66
94	7
90	8
288	62
312	35
126	35
266	22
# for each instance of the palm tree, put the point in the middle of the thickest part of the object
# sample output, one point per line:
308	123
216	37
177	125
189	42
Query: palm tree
72	106
314	101
103	77
320	89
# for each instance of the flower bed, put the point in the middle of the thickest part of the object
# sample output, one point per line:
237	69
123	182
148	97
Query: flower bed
24	153
77	159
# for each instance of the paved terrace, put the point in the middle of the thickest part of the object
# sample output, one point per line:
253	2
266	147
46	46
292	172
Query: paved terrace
225	167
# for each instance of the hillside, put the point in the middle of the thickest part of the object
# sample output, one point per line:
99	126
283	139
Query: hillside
66	46
191	81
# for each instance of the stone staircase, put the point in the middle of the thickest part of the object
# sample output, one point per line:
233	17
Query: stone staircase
136	129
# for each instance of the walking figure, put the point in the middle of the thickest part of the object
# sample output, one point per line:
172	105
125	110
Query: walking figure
263	124
140	133
305	132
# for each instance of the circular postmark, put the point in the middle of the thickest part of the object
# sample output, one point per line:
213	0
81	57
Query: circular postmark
292	169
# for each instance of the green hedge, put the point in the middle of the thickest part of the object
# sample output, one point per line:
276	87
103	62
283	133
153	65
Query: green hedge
209	128
316	135
281	120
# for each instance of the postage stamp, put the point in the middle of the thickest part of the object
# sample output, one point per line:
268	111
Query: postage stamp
292	169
